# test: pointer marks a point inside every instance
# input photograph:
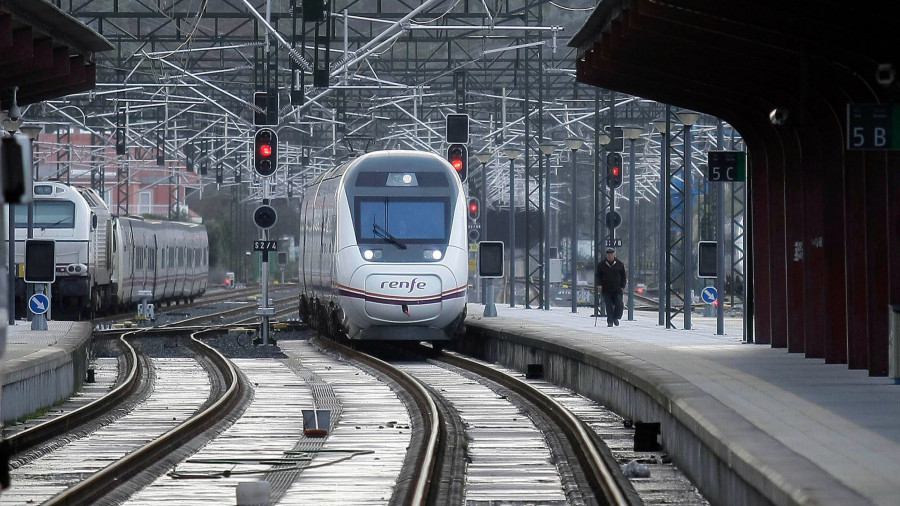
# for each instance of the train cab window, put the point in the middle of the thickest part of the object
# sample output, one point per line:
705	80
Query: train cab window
402	219
47	214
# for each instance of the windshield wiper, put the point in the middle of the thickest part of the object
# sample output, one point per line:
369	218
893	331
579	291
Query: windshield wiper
387	236
54	225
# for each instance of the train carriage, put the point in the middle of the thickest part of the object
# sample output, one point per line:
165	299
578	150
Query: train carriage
385	248
104	261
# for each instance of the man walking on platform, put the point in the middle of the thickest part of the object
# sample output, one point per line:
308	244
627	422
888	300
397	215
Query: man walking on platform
610	280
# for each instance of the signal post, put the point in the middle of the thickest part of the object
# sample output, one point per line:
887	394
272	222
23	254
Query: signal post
265	162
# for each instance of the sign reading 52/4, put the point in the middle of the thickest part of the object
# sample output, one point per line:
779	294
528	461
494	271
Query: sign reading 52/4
727	166
265	245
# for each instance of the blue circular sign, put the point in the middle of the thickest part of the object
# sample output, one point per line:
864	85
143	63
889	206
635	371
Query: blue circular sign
39	303
709	295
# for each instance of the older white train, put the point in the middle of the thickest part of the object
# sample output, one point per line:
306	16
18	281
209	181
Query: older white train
383	240
103	261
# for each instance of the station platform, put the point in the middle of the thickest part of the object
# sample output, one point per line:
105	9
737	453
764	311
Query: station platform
40	368
748	423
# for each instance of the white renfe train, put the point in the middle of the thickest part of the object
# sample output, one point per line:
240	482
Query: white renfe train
383	240
103	261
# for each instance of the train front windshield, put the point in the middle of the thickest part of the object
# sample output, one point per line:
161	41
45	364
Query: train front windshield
413	220
47	214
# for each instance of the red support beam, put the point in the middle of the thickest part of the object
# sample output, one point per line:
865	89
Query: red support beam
6	36
41	60
22	48
876	203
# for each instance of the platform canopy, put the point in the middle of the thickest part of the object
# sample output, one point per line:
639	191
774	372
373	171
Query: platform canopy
44	52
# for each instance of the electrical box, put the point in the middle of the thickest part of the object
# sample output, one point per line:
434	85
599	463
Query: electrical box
458	128
707	251
490	259
40	261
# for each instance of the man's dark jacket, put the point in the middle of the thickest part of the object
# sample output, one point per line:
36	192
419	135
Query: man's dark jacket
611	277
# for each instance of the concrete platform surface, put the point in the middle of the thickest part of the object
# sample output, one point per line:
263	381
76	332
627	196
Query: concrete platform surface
21	341
40	368
821	432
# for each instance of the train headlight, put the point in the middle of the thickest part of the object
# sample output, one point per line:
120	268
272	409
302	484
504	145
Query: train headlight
76	269
370	254
433	254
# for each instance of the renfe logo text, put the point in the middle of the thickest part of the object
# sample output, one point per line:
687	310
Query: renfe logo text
412	285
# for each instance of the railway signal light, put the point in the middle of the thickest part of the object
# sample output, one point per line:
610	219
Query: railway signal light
458	158
614	170
265	217
473	209
613	219
265	154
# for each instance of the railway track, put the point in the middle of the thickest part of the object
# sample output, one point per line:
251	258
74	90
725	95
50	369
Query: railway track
426	445
132	373
95	487
548	455
88	463
599	470
208	298
509	467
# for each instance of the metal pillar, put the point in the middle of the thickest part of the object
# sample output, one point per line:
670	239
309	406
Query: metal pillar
546	218
663	288
688	230
574	246
483	219
512	234
631	234
11	289
534	128
670	226
264	313
720	238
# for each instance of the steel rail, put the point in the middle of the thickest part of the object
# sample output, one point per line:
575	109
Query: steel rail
227	312
426	461
50	429
101	483
606	487
209	298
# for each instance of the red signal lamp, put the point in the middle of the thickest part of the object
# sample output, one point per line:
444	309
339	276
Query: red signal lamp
615	171
473	207
457	163
265	150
